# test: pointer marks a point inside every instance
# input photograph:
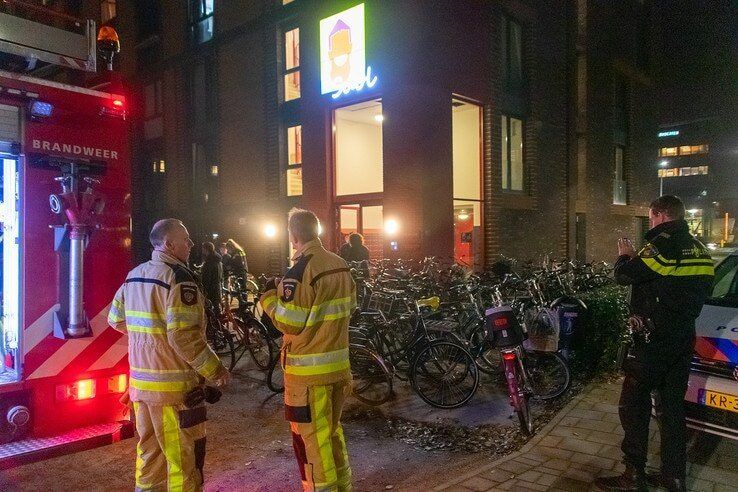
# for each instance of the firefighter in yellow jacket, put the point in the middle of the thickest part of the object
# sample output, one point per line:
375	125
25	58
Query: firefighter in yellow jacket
161	309
312	306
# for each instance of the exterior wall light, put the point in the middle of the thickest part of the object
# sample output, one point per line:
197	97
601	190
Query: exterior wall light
270	231
391	227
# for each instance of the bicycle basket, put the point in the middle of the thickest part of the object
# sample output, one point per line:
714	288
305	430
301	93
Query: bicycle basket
543	329
502	327
272	330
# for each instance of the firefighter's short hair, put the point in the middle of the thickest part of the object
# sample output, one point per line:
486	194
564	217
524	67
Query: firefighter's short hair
669	205
162	229
303	225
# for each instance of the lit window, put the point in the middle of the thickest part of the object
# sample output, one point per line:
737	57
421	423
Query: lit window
107	10
466	124
159	166
292	64
201	20
357	143
512	154
684	150
693	149
213	170
294	161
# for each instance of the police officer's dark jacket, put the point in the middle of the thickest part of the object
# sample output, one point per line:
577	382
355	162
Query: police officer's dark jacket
671	278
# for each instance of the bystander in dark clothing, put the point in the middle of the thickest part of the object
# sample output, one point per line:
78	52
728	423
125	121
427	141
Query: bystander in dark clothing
225	258
237	265
670	279
356	250
212	275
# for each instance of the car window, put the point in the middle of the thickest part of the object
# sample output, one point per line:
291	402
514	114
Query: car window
725	285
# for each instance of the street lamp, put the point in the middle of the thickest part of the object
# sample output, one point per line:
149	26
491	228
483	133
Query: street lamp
663	163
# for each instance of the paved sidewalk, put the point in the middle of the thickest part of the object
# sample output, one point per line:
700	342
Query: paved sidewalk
583	441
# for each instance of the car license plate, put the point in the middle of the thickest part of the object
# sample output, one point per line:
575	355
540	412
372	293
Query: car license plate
719	400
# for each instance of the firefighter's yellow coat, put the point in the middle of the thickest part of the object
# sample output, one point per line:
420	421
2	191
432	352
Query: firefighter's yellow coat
161	309
312	306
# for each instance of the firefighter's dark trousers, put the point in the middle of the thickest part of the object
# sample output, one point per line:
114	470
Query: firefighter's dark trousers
171	447
314	413
667	374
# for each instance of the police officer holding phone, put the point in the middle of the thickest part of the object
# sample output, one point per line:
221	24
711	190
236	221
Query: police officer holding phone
670	278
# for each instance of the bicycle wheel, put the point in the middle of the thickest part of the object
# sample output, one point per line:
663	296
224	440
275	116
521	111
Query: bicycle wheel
275	376
221	341
444	374
523	411
487	358
258	344
372	379
548	374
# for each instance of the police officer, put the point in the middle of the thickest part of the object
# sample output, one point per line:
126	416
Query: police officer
161	309
670	279
312	306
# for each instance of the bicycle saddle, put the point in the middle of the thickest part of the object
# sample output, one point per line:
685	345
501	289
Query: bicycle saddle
431	302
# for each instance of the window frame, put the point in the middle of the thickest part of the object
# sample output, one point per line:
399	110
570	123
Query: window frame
158	107
507	165
196	19
619	173
728	299
103	3
509	84
284	72
292	166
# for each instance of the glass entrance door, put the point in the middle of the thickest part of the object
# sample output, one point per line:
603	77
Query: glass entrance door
365	220
10	272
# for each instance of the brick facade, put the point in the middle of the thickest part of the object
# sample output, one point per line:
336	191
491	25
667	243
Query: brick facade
424	53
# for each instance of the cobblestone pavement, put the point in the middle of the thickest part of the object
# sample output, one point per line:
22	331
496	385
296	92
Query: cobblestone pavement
583	441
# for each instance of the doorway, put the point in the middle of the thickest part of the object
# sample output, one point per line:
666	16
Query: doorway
467	183
358	174
366	220
9	272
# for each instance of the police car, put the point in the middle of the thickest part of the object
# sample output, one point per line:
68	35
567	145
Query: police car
712	396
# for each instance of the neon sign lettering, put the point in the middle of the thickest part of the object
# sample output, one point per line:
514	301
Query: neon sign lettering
367	81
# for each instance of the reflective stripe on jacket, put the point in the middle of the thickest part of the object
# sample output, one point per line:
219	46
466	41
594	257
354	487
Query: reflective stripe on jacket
312	306
671	278
161	309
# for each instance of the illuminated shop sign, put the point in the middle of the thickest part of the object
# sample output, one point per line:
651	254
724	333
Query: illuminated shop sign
670	133
343	67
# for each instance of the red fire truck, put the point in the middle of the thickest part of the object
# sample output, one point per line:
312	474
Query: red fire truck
65	248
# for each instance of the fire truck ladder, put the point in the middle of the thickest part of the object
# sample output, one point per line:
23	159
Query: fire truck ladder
22	35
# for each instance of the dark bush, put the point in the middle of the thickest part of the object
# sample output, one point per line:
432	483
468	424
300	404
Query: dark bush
598	338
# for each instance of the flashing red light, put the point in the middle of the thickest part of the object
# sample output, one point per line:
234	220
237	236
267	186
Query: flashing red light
508	356
118	103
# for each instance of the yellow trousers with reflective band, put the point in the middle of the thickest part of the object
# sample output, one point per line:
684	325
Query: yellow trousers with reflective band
314	413
171	447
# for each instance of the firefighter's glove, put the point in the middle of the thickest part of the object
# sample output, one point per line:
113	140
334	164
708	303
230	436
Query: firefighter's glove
212	394
272	283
